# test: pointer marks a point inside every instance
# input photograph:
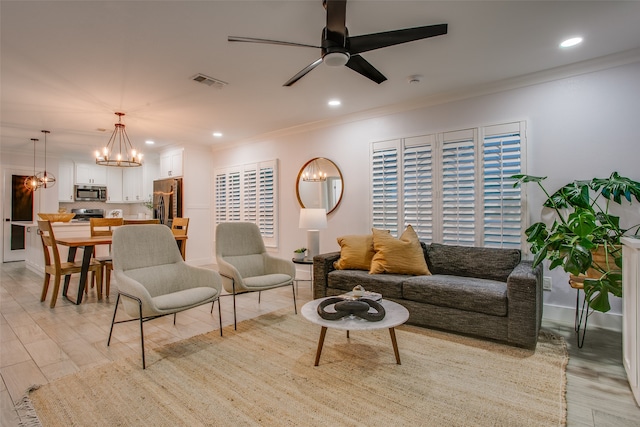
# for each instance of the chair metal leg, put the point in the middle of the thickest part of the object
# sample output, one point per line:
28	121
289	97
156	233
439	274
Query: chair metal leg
141	319
144	365
113	319
295	306
174	319
235	321
219	315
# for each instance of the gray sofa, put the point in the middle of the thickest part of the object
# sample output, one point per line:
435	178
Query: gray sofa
490	293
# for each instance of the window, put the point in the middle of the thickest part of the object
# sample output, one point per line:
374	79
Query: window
452	187
249	193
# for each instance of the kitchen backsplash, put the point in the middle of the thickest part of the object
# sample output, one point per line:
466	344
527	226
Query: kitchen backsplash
128	209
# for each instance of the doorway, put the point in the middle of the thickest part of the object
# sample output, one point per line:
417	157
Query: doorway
18	209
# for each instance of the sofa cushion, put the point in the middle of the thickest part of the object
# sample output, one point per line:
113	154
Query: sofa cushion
463	293
484	263
389	285
399	256
356	252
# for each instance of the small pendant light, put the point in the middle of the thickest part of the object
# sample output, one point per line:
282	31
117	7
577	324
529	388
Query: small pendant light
32	182
47	179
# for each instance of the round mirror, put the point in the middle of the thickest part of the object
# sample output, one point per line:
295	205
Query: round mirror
319	184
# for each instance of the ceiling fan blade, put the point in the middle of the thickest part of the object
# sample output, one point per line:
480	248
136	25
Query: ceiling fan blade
267	41
360	65
367	42
336	12
303	72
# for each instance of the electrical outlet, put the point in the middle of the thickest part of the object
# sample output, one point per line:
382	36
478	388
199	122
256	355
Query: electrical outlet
546	283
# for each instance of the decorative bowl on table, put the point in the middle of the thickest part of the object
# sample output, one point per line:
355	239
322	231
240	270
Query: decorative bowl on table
56	217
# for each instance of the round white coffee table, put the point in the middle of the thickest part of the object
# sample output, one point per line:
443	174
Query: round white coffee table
395	315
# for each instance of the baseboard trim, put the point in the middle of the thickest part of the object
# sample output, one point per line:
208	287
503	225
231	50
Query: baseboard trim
597	319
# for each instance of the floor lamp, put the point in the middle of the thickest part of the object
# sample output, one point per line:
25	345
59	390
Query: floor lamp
313	220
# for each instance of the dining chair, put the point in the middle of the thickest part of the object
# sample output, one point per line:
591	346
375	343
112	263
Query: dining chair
104	227
141	221
245	265
179	227
53	265
153	279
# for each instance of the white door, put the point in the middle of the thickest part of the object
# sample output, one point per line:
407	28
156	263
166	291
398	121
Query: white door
16	214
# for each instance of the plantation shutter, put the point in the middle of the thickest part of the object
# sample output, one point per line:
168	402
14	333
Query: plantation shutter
418	185
266	198
249	193
233	197
384	185
250	196
458	187
502	204
221	197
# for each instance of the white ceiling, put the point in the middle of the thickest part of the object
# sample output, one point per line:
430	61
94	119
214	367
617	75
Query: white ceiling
68	66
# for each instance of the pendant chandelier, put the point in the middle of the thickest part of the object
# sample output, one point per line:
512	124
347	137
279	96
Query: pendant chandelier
313	173
32	182
119	152
47	179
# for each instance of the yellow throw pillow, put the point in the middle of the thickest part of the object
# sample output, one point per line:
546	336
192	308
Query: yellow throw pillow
356	252
399	256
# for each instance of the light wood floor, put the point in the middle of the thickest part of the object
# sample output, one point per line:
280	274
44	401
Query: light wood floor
39	344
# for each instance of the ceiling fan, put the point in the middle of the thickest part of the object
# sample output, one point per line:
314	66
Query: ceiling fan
339	49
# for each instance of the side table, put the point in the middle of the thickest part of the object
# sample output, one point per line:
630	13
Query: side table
305	261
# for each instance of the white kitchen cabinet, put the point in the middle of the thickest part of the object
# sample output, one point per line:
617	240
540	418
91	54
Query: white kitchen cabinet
88	174
132	185
171	163
34	258
65	181
114	185
631	312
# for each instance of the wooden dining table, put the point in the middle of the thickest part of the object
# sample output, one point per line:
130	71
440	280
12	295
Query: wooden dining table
88	243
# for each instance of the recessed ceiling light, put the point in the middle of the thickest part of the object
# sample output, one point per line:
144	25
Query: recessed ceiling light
334	103
217	134
571	42
149	142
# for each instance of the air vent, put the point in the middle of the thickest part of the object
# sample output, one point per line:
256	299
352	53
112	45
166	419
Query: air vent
209	81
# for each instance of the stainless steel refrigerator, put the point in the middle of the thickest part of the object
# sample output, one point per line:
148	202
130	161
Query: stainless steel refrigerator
167	200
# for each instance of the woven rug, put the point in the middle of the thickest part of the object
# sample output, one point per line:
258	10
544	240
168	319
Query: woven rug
263	375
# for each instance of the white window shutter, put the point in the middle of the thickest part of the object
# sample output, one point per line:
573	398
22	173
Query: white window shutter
502	203
384	186
249	193
458	188
418	185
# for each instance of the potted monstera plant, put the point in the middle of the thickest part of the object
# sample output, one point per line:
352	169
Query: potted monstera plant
584	238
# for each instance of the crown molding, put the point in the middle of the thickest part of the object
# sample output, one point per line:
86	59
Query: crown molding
566	71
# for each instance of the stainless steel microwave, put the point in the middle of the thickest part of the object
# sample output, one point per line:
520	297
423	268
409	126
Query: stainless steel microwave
90	193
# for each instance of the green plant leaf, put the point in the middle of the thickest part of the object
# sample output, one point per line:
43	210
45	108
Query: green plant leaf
522	178
582	222
575	194
615	187
577	259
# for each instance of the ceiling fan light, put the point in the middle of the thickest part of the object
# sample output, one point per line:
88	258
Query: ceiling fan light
336	59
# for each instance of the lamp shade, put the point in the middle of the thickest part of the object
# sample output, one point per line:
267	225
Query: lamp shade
313	219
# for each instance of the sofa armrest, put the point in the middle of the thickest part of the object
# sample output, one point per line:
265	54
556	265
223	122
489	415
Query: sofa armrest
524	294
322	266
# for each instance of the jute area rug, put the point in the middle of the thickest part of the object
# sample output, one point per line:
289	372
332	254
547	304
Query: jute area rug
263	375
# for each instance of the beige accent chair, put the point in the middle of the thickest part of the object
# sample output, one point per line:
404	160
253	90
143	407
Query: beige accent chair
154	280
245	265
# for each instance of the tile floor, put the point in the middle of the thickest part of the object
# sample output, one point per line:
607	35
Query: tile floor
39	344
